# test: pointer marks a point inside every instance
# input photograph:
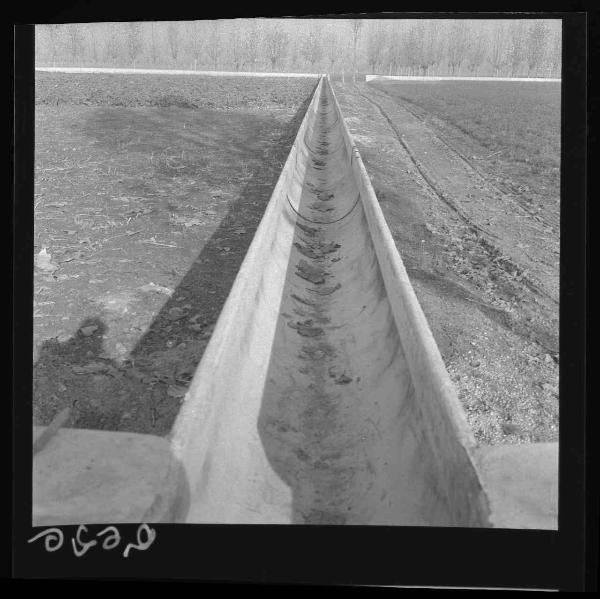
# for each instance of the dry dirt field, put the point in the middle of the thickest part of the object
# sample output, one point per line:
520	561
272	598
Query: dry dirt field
148	190
467	175
146	200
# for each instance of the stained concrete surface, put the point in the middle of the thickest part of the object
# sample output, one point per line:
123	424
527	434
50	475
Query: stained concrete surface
522	484
96	477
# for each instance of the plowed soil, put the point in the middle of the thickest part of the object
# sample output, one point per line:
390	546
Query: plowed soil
148	191
145	205
479	237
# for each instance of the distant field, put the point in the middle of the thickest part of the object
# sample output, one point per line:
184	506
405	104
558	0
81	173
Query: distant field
511	130
220	93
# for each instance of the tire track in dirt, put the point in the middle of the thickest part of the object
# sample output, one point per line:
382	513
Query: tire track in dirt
497	339
423	172
404	103
482	177
530	284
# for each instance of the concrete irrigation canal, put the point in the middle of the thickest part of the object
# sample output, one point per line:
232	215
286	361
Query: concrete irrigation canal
322	397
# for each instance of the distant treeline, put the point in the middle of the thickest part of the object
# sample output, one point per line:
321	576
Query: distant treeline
517	47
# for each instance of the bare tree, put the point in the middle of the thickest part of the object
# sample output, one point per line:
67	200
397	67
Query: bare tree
312	50
153	44
433	48
421	58
113	44
457	45
75	40
54	37
516	48
134	41
194	36
250	44
536	47
213	47
411	48
396	50
375	47
389	55
381	65
387	46
391	52
331	50
555	58
476	51
236	46
276	42
90	41
173	39
498	50
356	27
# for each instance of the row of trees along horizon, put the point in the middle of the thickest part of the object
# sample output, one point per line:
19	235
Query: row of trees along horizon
516	47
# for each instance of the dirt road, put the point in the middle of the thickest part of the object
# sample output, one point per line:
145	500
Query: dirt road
485	268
